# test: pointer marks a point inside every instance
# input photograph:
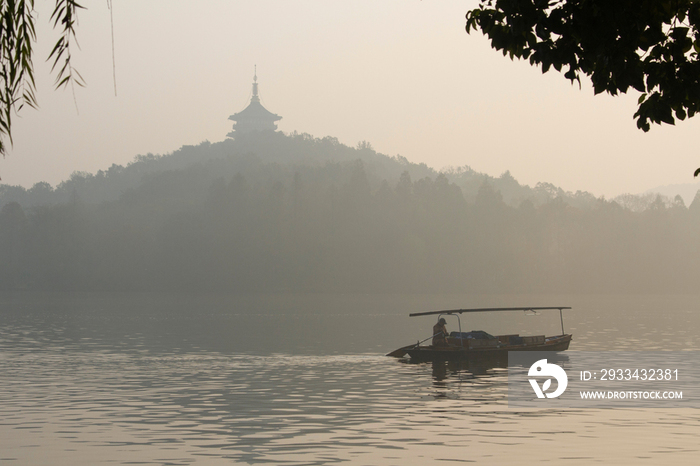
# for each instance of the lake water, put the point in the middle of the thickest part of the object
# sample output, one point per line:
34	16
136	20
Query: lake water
90	379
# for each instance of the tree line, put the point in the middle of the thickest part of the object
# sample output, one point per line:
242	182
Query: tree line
239	222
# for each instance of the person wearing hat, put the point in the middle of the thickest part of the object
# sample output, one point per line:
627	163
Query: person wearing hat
440	333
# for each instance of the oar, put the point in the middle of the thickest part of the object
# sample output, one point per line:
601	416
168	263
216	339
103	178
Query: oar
401	352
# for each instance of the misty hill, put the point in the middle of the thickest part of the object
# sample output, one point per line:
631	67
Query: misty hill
250	151
686	191
294	213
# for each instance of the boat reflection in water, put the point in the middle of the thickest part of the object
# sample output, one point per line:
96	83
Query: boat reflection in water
469	367
481	379
475	366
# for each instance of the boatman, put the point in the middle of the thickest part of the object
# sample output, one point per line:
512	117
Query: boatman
440	333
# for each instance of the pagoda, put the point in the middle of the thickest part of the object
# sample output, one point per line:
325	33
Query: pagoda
254	117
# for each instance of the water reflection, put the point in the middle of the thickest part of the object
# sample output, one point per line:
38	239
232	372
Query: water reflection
485	367
81	387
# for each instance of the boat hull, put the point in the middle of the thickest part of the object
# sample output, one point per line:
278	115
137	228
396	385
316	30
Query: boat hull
447	353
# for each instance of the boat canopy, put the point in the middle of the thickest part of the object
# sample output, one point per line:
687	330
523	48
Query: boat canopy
487	309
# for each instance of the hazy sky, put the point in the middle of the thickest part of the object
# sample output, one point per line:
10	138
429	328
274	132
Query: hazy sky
403	75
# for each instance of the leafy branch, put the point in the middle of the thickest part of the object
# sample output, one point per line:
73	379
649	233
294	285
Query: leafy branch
65	15
17	38
652	46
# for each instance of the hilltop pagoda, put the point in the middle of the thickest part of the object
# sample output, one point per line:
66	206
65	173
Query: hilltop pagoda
254	117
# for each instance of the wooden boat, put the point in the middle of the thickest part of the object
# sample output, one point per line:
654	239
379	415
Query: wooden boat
479	344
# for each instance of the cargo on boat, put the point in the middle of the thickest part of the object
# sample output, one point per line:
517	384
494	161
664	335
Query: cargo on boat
480	344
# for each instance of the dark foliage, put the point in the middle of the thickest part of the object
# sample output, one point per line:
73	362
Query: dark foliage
648	45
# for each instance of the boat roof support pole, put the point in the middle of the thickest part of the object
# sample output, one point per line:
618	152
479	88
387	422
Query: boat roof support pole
561	316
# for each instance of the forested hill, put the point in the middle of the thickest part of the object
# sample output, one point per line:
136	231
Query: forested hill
289	151
294	213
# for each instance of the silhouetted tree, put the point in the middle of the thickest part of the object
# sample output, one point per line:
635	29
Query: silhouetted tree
649	45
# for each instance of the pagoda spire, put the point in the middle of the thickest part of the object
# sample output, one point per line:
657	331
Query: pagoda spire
255	97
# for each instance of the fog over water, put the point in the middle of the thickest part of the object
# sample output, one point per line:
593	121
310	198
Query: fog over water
173	296
234	302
